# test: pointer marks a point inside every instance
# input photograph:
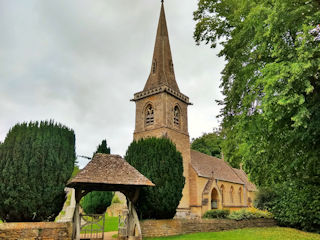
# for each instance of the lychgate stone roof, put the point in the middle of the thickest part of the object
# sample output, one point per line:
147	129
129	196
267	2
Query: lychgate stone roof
109	169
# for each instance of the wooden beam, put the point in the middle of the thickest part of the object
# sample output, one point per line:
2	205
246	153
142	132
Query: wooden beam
77	220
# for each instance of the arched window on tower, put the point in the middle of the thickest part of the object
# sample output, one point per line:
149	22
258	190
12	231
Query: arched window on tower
149	115
231	194
176	116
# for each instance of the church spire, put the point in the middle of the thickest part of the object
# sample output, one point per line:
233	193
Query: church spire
162	71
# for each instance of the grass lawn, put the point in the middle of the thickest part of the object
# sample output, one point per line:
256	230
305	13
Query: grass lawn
111	224
274	233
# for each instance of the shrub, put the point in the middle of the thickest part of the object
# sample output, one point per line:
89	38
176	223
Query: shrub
297	205
264	198
159	160
250	213
36	161
96	202
216	213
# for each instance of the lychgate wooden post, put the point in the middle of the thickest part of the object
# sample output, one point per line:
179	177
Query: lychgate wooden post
77	220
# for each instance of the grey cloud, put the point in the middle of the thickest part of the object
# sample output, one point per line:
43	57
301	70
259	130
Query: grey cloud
80	62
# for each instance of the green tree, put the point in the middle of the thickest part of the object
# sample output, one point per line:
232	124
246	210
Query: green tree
296	204
36	161
264	198
159	160
208	143
96	202
103	148
271	116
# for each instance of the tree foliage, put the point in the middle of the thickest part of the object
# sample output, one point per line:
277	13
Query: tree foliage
76	170
208	143
271	108
103	147
36	161
297	205
264	198
96	202
158	160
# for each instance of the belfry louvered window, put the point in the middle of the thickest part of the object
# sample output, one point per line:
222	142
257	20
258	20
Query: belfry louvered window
149	115
176	116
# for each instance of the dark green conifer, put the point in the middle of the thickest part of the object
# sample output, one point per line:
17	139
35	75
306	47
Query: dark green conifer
159	160
36	161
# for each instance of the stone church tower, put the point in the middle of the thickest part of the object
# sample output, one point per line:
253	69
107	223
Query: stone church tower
161	109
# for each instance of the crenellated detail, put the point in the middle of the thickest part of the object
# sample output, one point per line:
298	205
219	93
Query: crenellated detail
144	94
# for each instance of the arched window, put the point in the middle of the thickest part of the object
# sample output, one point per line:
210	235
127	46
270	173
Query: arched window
240	195
176	116
154	67
231	194
222	193
149	115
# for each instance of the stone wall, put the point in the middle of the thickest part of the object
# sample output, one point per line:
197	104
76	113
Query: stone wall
159	228
37	230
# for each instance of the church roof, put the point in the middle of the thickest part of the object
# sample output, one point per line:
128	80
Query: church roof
243	176
208	166
107	169
162	71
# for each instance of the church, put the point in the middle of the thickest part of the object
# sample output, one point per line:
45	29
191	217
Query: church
162	111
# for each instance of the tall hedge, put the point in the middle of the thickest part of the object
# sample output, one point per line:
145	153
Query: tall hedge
159	160
36	161
97	202
297	205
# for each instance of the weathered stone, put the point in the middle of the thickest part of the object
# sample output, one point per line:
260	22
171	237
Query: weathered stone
36	230
159	228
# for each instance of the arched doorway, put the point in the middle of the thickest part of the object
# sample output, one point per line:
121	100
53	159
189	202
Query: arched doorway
214	199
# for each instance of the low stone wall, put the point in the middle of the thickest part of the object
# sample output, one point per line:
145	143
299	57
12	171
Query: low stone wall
159	228
37	230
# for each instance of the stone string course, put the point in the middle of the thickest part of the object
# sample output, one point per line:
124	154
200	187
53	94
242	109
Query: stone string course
160	228
36	230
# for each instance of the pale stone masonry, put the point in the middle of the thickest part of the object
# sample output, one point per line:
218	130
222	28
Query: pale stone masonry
162	93
162	111
172	227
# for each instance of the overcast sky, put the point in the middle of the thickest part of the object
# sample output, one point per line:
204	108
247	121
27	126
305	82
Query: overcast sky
79	62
